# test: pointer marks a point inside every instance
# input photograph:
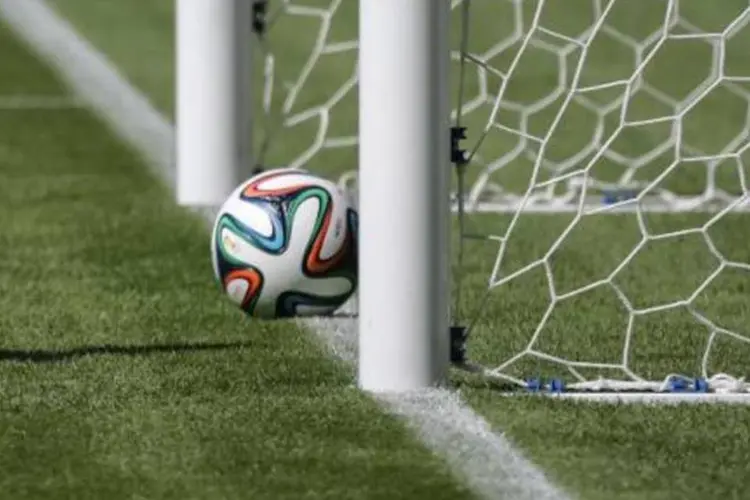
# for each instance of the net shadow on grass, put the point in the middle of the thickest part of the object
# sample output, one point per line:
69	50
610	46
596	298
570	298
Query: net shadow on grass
66	355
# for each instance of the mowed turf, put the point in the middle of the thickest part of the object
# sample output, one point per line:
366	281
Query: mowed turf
608	451
596	452
124	373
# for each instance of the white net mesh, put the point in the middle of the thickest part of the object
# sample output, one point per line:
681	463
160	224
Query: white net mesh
575	108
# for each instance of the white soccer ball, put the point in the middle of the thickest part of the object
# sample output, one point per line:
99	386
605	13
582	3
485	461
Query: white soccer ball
284	244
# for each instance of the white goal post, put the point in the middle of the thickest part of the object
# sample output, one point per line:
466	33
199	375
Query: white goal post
405	113
602	133
214	99
404	170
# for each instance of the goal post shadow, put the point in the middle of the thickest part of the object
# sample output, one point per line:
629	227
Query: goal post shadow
62	355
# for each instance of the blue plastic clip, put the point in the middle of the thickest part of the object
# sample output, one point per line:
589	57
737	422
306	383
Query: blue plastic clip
609	198
534	384
701	385
557	385
678	385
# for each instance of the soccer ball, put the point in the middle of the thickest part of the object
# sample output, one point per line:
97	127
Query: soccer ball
284	244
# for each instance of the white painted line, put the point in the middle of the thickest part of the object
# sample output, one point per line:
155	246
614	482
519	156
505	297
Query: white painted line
485	460
95	80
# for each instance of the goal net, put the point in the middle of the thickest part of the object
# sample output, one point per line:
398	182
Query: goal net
602	237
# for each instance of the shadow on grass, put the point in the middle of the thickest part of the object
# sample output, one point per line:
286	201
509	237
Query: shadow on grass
63	355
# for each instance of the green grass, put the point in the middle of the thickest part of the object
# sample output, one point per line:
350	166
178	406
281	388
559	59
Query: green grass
628	452
124	373
138	36
612	452
631	453
591	325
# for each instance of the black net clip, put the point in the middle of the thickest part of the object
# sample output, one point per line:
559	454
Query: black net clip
458	337
260	9
458	155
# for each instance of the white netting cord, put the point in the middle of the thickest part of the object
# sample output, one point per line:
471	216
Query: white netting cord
292	115
556	185
576	182
646	195
574	175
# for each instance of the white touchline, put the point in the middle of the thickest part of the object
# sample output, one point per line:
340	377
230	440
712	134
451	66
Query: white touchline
487	461
95	80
